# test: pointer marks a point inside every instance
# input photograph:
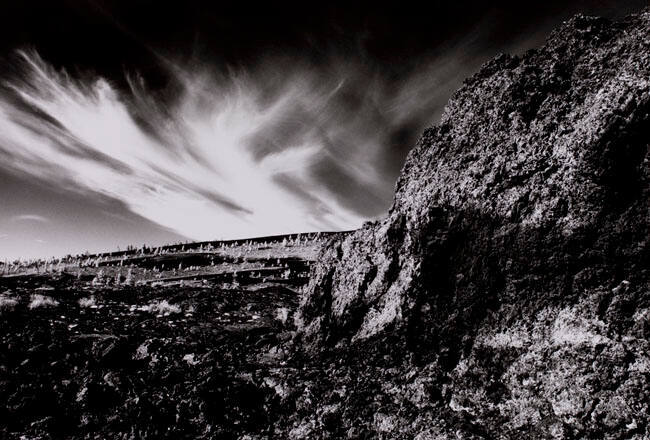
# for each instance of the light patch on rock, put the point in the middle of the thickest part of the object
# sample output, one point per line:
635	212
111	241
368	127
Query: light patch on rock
7	303
189	358
87	302
377	320
37	301
640	365
280	388
161	308
282	314
506	339
386	423
567	403
523	411
569	328
141	352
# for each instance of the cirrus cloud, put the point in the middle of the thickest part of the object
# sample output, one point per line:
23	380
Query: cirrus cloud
30	218
223	157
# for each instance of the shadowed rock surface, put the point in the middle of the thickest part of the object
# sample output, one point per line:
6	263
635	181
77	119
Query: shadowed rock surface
506	294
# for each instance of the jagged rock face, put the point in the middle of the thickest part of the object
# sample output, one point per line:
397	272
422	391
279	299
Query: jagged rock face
514	259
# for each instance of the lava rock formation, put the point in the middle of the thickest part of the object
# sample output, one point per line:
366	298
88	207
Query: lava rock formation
506	294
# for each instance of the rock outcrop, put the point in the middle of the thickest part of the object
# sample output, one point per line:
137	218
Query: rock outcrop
511	273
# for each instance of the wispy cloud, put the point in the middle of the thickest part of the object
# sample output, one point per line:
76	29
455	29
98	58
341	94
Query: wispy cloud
250	154
3	236
38	240
31	218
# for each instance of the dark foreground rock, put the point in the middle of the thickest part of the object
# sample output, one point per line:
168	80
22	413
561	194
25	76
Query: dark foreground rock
135	363
506	295
192	343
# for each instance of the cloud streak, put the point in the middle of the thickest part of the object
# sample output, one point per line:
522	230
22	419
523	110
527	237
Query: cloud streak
30	218
258	153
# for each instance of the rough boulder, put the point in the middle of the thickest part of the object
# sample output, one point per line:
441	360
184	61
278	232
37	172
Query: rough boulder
511	273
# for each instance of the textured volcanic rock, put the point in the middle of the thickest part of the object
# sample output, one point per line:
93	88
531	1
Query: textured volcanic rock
511	274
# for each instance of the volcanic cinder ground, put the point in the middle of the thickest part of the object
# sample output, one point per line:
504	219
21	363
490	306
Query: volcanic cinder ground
181	341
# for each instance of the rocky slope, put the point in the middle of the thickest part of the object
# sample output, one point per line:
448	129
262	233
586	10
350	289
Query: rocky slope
506	294
182	341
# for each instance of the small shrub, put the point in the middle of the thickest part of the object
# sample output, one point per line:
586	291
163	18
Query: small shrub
100	279
161	308
189	358
7	303
141	352
87	302
38	301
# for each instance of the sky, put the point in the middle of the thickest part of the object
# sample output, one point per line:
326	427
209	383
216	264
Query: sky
132	122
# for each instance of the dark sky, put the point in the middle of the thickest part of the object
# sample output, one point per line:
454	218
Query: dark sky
154	121
110	36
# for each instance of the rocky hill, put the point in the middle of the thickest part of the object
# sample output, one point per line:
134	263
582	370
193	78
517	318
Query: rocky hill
506	294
